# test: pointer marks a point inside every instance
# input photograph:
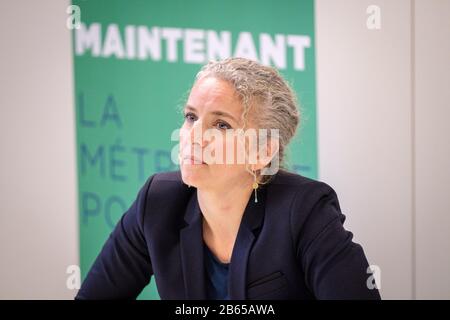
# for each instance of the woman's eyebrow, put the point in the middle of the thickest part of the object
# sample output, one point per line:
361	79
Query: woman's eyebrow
215	112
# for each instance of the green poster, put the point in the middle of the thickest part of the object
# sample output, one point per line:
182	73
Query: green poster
134	63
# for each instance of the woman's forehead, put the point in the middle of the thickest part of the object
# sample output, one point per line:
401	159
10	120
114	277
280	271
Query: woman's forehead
213	92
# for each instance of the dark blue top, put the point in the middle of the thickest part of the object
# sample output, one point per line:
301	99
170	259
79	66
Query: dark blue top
217	276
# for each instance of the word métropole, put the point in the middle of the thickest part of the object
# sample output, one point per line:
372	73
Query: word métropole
198	45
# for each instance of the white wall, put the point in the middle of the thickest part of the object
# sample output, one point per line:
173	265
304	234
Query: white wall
383	141
384	138
364	129
38	207
432	148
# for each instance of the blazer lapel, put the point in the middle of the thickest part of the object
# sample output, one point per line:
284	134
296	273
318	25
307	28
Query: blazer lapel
192	260
251	221
191	242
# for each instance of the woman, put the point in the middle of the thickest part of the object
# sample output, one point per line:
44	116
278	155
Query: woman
233	229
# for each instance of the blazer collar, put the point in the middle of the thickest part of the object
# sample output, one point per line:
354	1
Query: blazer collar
191	242
253	214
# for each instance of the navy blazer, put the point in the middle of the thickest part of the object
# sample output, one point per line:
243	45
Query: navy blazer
291	244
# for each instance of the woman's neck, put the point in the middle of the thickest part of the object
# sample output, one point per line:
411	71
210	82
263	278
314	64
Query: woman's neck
223	210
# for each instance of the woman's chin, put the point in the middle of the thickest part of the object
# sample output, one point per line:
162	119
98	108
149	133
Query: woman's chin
193	175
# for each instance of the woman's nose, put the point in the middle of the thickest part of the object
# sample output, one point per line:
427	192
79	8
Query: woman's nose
196	134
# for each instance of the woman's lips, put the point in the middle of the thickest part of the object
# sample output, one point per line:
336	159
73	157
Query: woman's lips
193	160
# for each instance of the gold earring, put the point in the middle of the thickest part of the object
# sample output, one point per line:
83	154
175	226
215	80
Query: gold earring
255	186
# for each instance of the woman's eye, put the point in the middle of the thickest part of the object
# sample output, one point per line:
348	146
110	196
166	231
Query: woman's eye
189	117
223	125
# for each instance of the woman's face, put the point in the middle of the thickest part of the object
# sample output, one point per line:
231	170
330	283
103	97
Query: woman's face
212	109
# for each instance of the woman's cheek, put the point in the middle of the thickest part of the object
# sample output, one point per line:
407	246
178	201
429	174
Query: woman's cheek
228	147
184	138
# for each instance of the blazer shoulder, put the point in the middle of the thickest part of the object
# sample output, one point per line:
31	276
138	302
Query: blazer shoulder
166	192
174	176
303	185
312	200
167	185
